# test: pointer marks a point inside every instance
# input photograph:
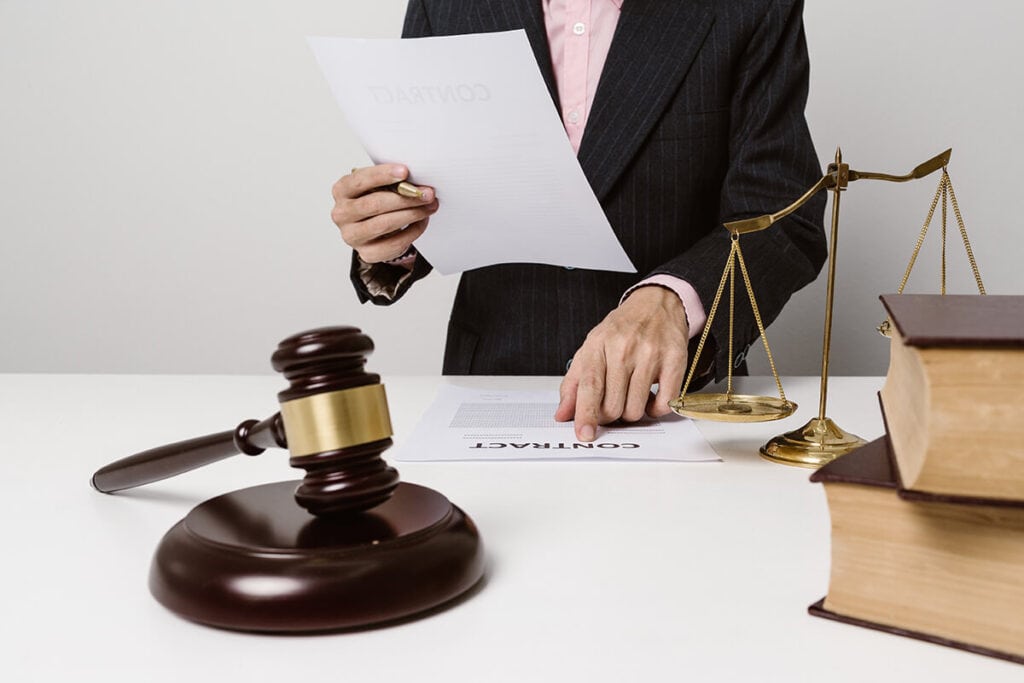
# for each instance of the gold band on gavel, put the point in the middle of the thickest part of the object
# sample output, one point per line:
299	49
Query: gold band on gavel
337	419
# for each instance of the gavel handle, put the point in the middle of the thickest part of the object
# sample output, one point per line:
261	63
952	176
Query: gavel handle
251	437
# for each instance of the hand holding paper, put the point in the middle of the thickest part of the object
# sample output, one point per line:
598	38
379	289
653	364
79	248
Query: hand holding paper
475	121
376	217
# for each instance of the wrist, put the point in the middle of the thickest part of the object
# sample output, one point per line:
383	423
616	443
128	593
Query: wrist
405	256
654	294
661	297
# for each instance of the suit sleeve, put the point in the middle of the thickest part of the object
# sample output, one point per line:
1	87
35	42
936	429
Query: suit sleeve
771	162
416	25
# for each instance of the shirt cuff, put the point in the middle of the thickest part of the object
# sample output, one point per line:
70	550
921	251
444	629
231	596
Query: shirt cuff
692	307
406	260
384	279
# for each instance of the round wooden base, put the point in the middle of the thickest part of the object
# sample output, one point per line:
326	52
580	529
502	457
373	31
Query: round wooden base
254	560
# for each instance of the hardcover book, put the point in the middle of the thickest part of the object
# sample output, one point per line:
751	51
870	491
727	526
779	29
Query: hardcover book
947	572
954	393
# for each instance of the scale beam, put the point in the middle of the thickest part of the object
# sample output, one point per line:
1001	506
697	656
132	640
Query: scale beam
839	175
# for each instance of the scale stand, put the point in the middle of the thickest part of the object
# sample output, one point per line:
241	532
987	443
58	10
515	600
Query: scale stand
821	440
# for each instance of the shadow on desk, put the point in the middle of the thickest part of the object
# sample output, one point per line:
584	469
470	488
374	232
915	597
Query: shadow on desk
739	450
175	498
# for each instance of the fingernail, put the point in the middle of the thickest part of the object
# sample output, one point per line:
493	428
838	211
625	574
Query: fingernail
586	433
399	173
428	195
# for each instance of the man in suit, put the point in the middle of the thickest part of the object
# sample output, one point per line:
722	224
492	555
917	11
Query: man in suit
685	114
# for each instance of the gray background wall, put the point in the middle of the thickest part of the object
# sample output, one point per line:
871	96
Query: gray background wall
165	174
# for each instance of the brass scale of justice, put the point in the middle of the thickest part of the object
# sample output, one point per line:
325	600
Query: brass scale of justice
820	440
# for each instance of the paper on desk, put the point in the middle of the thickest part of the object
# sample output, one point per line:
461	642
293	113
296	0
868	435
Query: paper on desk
484	424
471	116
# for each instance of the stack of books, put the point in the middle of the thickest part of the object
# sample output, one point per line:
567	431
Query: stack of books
928	521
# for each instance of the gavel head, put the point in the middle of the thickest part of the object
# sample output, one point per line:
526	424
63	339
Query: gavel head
336	420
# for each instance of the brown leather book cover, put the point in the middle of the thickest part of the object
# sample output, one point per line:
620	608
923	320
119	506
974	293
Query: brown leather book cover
870	465
818	610
925	320
874	465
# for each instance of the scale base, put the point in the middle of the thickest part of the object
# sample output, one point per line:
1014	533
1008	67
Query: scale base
253	560
817	443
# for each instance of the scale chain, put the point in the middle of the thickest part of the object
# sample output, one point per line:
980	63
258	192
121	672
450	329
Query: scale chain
729	274
732	312
963	234
707	325
943	183
760	324
921	236
945	192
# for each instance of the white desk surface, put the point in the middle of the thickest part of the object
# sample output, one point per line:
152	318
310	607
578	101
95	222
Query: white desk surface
597	571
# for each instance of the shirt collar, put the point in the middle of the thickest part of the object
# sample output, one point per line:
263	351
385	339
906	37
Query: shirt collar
617	3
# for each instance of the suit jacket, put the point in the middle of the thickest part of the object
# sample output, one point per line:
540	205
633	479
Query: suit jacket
697	120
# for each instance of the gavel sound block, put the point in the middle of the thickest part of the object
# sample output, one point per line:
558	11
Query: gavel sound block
347	547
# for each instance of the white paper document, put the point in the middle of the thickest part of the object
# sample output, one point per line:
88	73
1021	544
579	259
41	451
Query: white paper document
477	424
471	116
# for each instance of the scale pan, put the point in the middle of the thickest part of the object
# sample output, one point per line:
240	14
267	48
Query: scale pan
732	407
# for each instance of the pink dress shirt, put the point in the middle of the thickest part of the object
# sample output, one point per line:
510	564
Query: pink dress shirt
579	35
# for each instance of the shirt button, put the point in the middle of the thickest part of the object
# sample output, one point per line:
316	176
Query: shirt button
574	116
578	28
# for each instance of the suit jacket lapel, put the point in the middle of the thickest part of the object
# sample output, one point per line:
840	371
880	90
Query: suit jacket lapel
531	15
510	15
654	45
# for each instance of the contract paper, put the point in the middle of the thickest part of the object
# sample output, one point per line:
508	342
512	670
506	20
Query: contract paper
476	424
471	117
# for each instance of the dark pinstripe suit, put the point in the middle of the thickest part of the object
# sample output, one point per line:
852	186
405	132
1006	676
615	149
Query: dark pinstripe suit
698	119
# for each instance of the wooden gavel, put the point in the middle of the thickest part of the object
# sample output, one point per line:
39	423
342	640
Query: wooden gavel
334	420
